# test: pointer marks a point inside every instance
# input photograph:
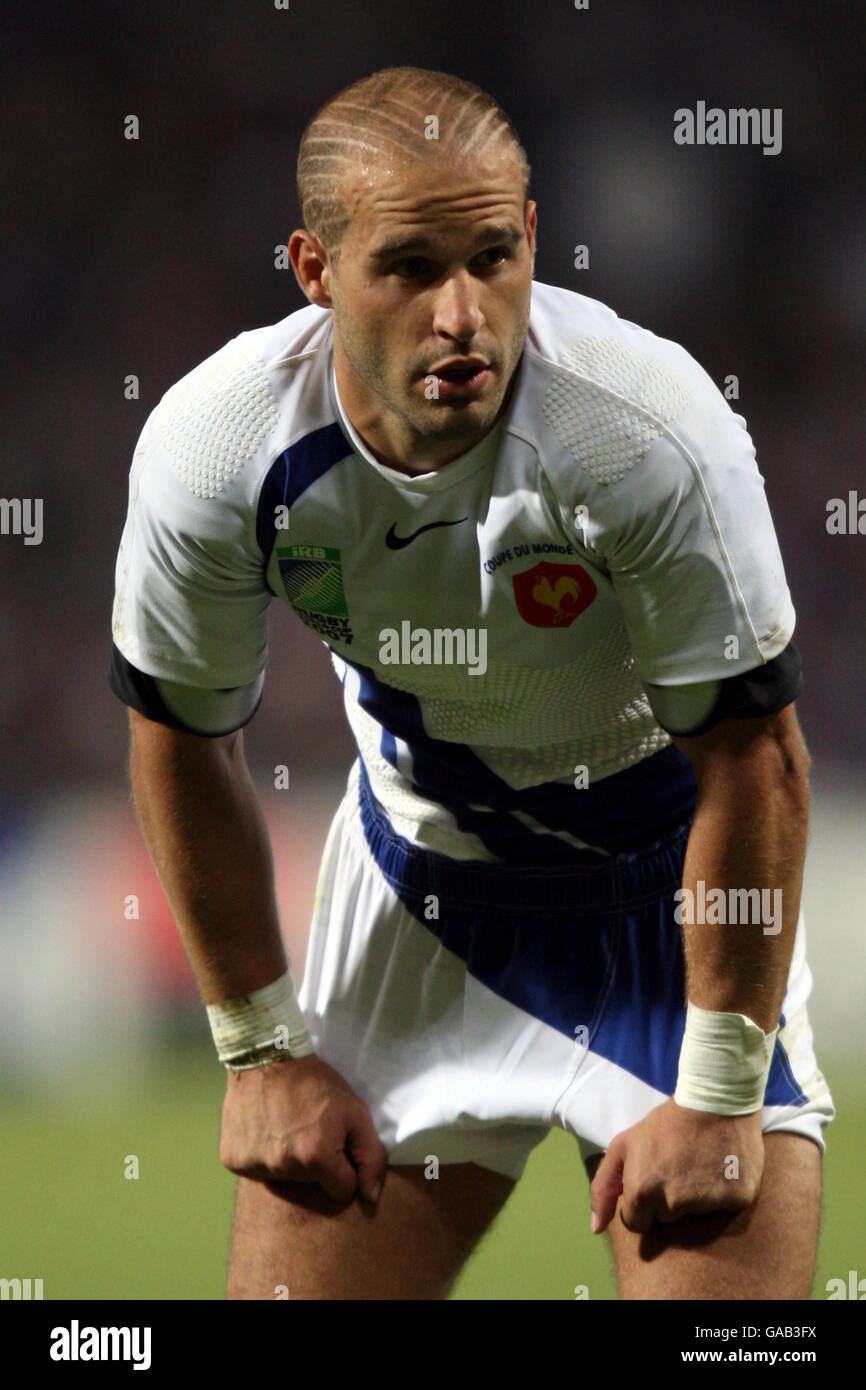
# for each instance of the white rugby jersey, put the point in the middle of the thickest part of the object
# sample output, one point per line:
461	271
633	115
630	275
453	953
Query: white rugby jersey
496	623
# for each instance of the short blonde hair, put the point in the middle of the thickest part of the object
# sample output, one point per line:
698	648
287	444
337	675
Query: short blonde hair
388	111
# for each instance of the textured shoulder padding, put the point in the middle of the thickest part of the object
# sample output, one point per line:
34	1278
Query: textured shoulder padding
607	401
213	420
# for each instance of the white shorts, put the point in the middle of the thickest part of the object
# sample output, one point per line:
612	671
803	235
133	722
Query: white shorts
474	1006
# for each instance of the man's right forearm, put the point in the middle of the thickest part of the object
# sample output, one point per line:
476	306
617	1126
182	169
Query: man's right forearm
207	837
283	1120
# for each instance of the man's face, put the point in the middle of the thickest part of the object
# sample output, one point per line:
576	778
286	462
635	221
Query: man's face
430	296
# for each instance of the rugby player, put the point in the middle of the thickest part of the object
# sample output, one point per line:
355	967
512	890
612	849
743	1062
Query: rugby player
536	541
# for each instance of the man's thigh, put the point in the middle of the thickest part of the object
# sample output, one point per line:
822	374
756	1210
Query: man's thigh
765	1252
412	1244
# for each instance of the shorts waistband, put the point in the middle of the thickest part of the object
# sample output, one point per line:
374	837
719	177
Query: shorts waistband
620	881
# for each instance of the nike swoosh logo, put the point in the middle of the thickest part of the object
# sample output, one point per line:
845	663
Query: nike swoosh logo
395	542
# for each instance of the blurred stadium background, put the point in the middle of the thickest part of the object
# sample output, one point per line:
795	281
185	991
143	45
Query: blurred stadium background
141	257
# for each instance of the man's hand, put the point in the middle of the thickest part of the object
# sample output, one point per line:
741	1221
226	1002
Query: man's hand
676	1163
297	1120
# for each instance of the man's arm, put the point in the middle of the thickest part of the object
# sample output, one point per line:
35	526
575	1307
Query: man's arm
292	1119
749	832
209	844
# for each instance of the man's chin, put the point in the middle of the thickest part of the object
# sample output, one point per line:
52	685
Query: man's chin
463	428
455	419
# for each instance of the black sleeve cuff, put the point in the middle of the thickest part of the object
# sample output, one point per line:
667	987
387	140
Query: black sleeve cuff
142	693
752	694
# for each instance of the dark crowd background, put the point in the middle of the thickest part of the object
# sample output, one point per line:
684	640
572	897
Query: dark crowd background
145	256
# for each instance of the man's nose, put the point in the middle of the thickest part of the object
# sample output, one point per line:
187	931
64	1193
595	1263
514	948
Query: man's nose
456	313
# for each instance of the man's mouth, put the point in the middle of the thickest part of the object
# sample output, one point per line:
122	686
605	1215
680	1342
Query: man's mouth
459	379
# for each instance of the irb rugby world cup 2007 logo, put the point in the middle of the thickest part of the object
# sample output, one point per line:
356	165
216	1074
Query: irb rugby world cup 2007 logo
312	577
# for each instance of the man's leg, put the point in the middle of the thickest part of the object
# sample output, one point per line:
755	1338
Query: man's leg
766	1252
411	1245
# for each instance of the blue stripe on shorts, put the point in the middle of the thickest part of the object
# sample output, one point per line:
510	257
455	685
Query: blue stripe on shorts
593	948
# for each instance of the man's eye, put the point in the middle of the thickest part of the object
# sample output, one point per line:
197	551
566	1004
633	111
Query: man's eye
420	267
493	256
411	268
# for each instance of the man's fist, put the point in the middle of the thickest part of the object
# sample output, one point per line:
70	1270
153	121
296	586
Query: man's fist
297	1120
677	1163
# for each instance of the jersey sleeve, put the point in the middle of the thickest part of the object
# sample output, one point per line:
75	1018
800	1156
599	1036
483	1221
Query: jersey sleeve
190	604
691	550
698	707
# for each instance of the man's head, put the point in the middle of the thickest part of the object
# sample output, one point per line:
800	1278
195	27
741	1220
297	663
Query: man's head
420	238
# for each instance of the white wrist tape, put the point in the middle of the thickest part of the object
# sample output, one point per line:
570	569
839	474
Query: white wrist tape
259	1027
724	1063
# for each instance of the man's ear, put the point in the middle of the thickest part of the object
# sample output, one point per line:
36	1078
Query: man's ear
530	221
312	267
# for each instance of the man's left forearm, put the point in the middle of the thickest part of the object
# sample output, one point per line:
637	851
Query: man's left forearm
743	877
749	833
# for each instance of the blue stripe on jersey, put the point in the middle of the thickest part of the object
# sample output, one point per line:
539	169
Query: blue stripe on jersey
618	813
585	947
289	477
